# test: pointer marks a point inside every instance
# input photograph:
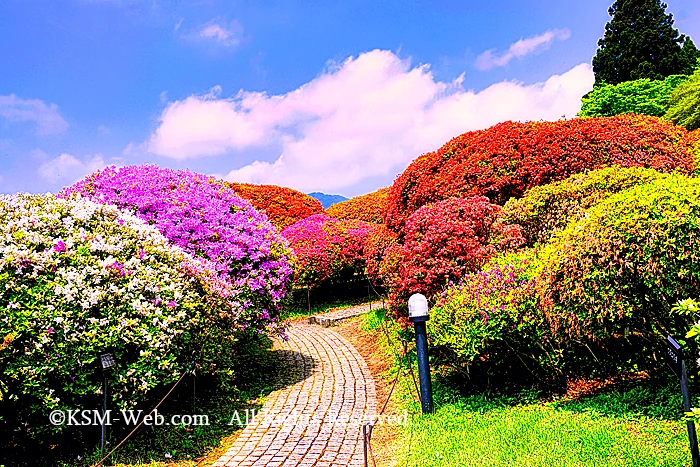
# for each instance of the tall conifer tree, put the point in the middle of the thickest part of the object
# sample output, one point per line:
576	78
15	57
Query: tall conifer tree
641	42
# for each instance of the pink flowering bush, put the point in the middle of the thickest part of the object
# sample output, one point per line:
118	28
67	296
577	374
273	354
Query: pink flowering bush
77	278
205	217
491	313
325	247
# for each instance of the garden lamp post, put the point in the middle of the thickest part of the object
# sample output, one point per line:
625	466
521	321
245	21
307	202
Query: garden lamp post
107	362
418	315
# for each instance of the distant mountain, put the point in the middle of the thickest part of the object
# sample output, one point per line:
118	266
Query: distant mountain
327	200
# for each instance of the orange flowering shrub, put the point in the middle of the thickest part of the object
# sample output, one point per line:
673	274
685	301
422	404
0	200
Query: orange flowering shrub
283	206
369	208
505	160
378	243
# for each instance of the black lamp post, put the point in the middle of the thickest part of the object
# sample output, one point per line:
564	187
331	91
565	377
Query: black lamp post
107	362
418	315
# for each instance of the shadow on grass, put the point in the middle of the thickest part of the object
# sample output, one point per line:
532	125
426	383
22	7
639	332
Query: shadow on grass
330	295
656	396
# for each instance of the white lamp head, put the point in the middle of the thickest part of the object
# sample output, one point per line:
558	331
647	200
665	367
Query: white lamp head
417	306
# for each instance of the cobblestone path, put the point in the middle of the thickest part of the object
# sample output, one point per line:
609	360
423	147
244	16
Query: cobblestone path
333	317
317	419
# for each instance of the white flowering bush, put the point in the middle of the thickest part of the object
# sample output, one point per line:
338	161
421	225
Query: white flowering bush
77	278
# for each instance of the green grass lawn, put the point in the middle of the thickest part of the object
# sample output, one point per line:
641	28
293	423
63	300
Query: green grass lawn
633	423
539	435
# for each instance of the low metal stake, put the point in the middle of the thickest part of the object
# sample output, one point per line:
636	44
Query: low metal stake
104	412
677	364
365	441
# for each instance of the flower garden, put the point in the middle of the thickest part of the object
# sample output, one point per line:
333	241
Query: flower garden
548	250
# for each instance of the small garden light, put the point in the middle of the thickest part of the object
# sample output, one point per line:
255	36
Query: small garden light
417	307
418	315
107	362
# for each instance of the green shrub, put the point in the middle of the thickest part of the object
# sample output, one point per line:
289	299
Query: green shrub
621	267
642	96
547	209
684	103
77	278
492	312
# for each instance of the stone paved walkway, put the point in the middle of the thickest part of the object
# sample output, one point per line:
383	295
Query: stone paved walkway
333	317
317	419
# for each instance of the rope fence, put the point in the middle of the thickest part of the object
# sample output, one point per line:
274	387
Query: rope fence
101	461
405	366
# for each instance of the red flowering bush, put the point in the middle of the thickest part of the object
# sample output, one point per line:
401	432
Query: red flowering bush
283	206
326	247
377	246
444	242
369	208
505	160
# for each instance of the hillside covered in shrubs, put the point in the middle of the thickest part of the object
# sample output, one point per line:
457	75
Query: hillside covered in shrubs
283	206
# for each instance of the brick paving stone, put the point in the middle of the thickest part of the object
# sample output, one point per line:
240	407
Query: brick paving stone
317	419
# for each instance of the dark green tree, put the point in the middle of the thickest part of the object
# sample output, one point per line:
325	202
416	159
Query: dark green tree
641	42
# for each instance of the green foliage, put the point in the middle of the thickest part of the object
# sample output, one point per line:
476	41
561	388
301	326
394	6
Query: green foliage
543	211
641	42
492	311
621	266
684	103
642	96
480	431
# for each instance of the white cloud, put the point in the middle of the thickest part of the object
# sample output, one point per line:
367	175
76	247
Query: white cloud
228	34
521	48
368	116
65	169
46	117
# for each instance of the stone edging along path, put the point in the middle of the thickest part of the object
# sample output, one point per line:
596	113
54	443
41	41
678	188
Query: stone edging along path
317	419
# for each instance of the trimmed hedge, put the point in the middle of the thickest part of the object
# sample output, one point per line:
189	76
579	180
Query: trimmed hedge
548	209
642	96
283	206
625	263
507	159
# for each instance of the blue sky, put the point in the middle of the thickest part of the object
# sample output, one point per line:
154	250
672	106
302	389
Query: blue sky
317	95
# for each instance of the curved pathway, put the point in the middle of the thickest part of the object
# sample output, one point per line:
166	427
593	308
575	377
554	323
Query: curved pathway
317	419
